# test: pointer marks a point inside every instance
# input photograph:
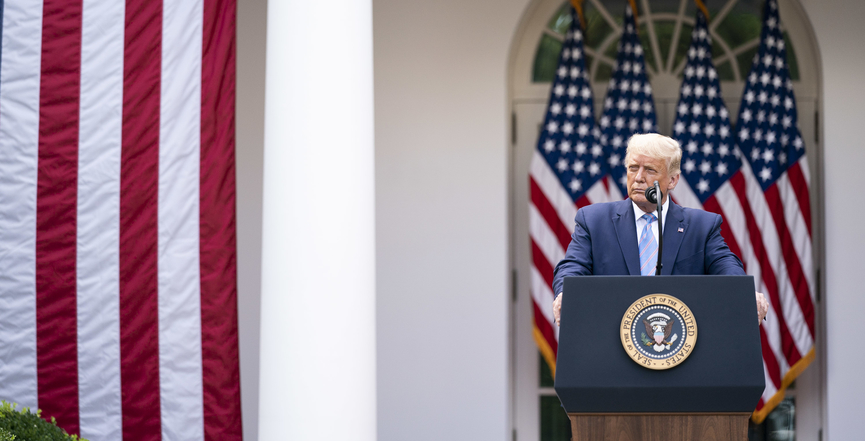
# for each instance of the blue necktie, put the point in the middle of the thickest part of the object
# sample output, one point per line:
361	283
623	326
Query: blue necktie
648	247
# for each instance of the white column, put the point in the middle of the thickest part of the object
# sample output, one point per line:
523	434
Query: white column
318	233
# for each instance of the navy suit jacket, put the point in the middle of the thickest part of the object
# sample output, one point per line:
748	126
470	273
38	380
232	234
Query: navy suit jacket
604	243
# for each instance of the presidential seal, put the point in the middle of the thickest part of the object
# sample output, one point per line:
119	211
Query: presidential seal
658	331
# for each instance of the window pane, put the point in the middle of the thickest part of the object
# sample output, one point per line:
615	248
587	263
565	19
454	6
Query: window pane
780	425
664	31
546	60
682	46
597	28
604	73
648	52
562	20
555	425
742	24
745	60
612	50
725	72
661	6
717	50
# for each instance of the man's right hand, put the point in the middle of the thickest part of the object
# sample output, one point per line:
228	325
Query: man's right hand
557	309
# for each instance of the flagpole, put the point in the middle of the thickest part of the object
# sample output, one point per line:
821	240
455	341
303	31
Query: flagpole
578	6
702	7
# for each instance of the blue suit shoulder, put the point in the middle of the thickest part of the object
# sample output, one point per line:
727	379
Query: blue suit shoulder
602	211
704	232
696	216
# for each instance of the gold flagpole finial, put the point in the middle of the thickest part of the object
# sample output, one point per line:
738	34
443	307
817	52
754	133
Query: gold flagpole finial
634	10
578	6
703	8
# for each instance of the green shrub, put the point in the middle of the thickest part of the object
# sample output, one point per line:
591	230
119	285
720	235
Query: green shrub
22	425
6	435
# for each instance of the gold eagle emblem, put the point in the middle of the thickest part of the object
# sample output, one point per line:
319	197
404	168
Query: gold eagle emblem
660	331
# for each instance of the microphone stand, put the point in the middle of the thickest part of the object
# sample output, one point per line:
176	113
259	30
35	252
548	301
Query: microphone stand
660	229
652	194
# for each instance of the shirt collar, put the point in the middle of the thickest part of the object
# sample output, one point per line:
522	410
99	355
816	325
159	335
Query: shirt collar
638	212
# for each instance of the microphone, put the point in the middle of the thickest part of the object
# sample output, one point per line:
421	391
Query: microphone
652	193
652	196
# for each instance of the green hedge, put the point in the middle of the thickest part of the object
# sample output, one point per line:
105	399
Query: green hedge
6	435
22	425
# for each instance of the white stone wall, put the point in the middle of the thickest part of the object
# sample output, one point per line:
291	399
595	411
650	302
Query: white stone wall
838	26
442	150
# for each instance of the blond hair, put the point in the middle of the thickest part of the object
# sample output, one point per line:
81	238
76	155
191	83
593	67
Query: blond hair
656	146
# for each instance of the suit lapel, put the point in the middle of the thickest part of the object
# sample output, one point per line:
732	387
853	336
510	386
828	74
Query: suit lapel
626	232
674	231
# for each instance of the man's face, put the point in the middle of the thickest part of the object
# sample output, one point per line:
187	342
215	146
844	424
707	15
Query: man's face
643	171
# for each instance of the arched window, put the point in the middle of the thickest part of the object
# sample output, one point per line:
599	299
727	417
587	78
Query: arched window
665	35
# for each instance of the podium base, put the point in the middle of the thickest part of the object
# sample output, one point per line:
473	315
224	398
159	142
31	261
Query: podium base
660	427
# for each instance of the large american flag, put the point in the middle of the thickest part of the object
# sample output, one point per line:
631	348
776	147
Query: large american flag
628	107
118	308
566	172
756	178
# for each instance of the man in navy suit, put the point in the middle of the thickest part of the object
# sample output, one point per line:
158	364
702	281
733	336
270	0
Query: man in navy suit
608	238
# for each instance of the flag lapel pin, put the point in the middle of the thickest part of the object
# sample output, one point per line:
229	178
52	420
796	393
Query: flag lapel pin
681	230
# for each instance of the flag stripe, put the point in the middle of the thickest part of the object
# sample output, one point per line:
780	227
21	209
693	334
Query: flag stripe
2	6
730	205
712	205
800	236
772	327
56	207
684	195
799	284
98	219
543	237
596	193
582	201
768	273
769	390
179	215
770	363
546	210
544	267
542	295
219	338
729	200
772	242
113	243
19	151
615	193
139	337
546	328
799	183
549	184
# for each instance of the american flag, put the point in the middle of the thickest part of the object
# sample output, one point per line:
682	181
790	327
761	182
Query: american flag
628	107
756	178
566	172
118	308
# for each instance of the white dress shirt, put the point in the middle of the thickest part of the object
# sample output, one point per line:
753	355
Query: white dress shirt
641	223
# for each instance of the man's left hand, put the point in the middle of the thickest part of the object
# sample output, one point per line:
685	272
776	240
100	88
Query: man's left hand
762	307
